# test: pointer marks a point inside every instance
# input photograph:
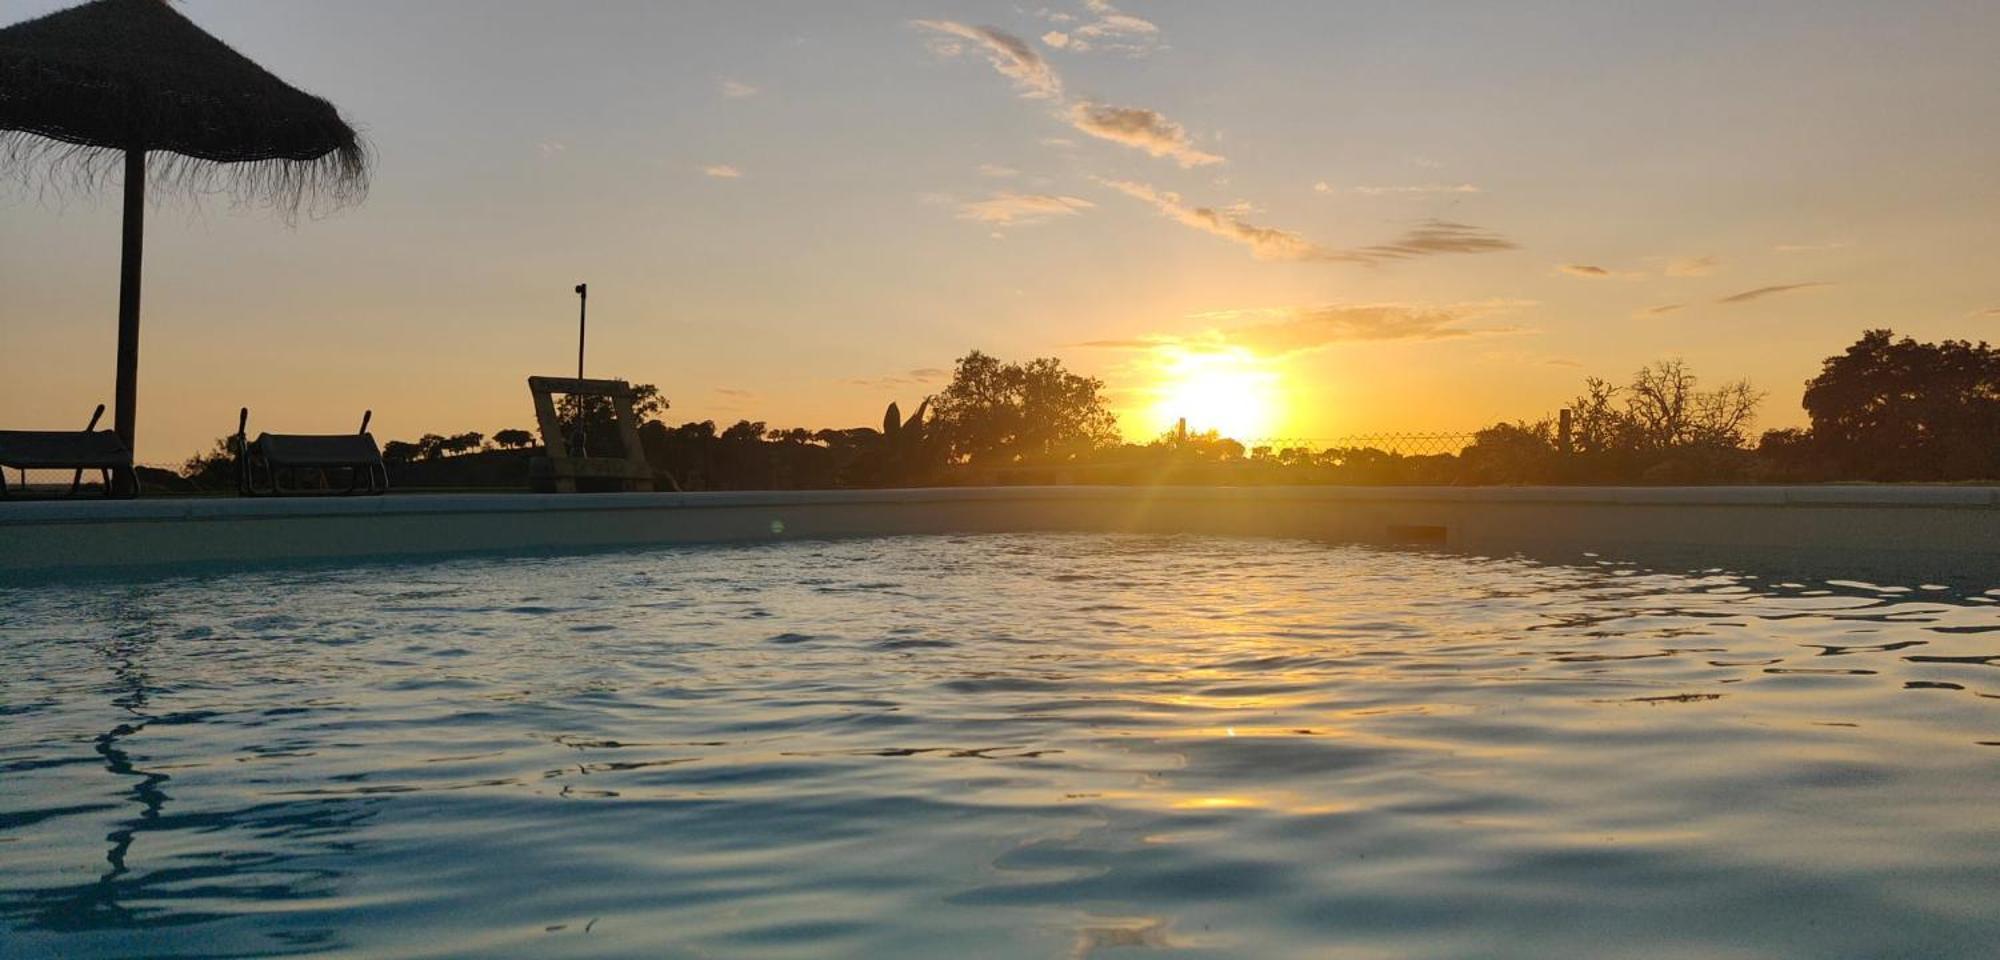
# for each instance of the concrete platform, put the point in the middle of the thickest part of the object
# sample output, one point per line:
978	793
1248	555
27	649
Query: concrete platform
1946	527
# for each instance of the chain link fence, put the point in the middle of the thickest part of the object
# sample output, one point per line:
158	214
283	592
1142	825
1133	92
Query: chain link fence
1398	444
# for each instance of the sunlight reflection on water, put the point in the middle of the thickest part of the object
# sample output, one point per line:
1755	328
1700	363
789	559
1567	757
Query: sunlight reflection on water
1003	746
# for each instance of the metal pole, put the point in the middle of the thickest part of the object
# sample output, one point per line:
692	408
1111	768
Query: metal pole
125	419
582	301
579	438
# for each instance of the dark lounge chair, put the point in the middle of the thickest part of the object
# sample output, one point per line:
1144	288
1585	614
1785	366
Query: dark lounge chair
79	450
273	464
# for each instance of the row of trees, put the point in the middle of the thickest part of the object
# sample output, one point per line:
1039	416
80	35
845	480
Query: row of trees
1885	409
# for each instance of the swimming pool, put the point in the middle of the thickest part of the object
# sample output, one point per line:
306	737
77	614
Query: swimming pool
1039	745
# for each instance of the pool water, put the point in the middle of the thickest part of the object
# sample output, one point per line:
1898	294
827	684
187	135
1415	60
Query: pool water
1000	746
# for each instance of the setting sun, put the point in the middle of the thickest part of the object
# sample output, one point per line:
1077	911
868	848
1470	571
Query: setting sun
1230	391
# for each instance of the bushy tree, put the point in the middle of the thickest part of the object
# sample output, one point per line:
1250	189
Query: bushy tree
1519	452
1888	409
1011	412
513	439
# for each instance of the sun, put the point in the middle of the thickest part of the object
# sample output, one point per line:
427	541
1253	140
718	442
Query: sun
1232	392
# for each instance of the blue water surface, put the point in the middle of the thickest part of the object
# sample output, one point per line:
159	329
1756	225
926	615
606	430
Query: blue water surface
1000	746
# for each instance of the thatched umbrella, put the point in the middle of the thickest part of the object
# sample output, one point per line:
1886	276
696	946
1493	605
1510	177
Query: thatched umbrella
87	90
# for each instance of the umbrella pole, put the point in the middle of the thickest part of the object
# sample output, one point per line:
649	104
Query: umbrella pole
125	420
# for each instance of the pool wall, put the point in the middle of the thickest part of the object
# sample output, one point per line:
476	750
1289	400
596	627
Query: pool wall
1954	525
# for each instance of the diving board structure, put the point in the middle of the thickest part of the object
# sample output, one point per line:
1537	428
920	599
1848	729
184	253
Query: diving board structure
568	459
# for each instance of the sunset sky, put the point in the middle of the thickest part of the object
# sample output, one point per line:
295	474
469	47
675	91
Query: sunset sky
1310	219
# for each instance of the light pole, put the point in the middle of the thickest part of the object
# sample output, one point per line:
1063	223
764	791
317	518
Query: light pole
582	301
578	439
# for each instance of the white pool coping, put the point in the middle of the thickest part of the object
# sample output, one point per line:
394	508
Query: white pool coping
1952	522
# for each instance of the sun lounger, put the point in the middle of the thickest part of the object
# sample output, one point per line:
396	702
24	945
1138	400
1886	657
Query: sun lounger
79	450
274	464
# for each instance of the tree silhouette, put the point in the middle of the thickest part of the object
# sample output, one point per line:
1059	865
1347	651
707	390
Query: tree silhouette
513	439
1010	412
1889	409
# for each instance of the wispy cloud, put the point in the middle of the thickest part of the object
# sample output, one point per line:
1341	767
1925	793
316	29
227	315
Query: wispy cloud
722	170
1106	28
1439	236
735	89
1009	54
1761	292
1428	238
997	170
1277	332
1013	58
735	394
1661	310
1018	209
1692	266
1141	128
917	377
1418	188
1309	328
1591	271
1265	243
551	148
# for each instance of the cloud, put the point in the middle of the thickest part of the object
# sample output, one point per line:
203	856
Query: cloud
1419	188
1322	187
1759	292
1562	362
1134	343
1141	128
1008	54
1438	236
1117	30
722	170
1018	209
550	148
1661	310
915	377
1990	312
736	394
1309	328
1283	331
1135	127
1265	243
996	170
736	89
1270	243
1692	267
1104	27
1584	270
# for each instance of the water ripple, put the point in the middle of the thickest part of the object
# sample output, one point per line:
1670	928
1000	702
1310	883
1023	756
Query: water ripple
1033	746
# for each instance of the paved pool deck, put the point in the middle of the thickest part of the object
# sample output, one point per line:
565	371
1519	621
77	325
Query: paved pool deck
1953	527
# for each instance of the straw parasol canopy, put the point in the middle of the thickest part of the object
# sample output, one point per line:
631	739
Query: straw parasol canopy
95	88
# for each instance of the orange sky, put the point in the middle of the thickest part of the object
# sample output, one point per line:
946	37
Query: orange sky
1312	220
